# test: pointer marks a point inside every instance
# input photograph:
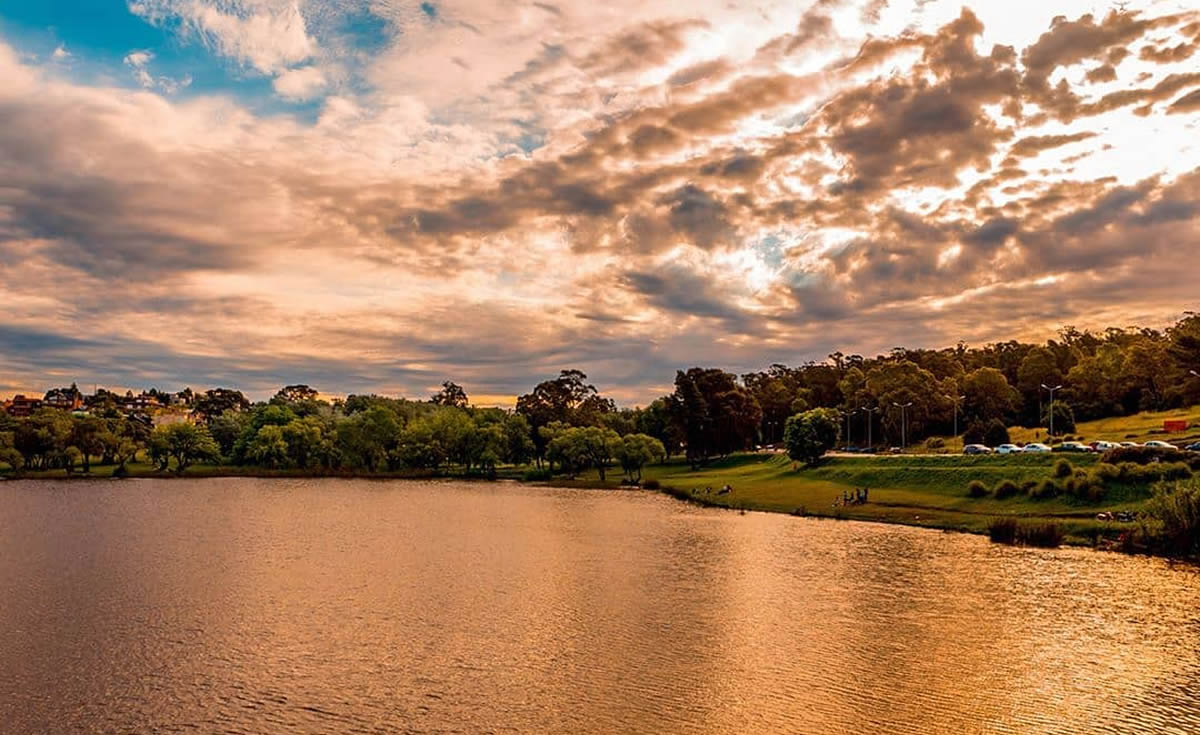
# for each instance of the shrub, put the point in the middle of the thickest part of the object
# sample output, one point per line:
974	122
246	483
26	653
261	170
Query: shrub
1143	455
536	475
1091	491
1009	531
1063	469
1006	489
977	489
651	484
1003	530
1106	472
1044	535
935	442
1044	490
1174	527
1150	473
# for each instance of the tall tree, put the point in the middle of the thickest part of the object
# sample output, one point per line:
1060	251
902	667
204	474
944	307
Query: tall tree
451	394
718	416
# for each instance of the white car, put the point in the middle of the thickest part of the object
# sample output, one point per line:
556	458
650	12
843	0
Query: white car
1156	444
1035	448
1008	449
1103	446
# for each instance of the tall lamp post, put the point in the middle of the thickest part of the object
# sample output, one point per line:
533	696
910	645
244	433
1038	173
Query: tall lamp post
870	421
957	401
903	422
848	415
1051	405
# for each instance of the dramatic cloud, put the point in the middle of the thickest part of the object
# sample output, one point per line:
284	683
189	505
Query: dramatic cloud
381	195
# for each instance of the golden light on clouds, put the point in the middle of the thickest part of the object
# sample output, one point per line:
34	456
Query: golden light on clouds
493	192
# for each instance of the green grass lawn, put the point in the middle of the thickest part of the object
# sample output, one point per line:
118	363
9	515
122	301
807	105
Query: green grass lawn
915	490
1140	428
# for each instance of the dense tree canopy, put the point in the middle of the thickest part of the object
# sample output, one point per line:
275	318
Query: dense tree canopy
568	421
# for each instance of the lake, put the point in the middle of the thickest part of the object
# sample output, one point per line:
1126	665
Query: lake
342	606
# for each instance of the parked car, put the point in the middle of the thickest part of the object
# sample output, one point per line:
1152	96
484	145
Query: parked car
1103	446
1035	448
1072	447
1130	444
1193	447
1007	449
1156	444
976	449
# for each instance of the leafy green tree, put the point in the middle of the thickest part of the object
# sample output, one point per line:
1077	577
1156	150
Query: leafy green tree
656	420
903	382
88	436
636	451
1064	418
43	438
1040	367
219	400
295	394
580	447
777	391
990	433
1185	342
368	439
568	399
227	428
185	443
988	396
718	416
451	394
809	435
268	447
306	440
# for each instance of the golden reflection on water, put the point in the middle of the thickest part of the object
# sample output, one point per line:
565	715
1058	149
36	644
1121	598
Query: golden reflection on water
343	606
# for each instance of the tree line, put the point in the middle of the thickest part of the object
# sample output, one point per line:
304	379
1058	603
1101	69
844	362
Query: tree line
564	424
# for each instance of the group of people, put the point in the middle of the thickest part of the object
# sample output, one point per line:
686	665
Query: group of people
861	495
725	490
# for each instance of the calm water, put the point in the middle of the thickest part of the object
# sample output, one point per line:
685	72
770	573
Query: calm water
270	606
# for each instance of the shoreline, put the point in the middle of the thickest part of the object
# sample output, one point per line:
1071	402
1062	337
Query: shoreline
917	516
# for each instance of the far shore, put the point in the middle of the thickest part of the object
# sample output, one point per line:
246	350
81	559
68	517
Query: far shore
913	491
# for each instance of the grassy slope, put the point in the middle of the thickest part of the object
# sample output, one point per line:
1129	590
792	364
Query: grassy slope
929	491
1140	427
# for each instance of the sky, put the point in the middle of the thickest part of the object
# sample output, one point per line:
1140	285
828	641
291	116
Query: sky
379	195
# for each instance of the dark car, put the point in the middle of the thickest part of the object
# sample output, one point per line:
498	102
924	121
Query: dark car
1193	447
976	449
1072	447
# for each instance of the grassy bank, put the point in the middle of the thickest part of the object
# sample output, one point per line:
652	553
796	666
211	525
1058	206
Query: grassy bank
914	490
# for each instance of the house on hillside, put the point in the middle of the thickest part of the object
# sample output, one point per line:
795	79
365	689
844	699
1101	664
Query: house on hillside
21	407
64	399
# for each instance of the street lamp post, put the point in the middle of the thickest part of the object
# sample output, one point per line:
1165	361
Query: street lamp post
1051	405
870	421
903	422
848	415
957	401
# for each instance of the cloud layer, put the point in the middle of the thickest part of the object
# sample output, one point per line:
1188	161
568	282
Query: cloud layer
489	193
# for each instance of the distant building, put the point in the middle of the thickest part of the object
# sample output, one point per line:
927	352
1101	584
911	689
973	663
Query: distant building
22	407
64	399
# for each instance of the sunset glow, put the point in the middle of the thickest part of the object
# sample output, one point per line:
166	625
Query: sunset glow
379	195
